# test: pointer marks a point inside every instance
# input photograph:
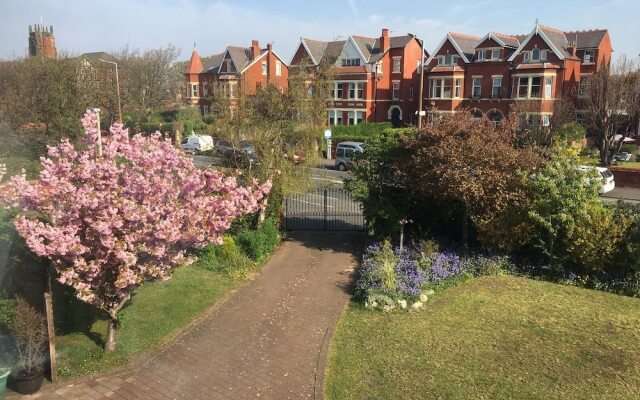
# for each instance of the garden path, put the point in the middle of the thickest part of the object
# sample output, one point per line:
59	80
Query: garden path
269	340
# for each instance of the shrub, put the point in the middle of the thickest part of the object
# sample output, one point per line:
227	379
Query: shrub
7	314
227	258
390	272
30	334
258	243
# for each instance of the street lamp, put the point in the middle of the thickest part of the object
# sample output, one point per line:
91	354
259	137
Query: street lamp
117	87
420	88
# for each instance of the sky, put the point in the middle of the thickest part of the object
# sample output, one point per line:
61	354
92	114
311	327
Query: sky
109	25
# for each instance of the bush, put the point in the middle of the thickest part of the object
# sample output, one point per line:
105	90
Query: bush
227	258
360	130
258	243
7	314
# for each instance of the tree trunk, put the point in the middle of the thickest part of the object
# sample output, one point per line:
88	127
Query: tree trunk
110	343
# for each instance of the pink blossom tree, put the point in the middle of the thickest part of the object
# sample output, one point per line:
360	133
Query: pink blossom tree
109	223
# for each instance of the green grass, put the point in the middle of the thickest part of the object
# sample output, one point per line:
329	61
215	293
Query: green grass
157	312
628	164
499	337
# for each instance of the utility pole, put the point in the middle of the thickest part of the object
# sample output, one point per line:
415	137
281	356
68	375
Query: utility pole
117	87
421	84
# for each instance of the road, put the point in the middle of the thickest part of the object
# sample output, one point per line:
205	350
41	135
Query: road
628	194
323	175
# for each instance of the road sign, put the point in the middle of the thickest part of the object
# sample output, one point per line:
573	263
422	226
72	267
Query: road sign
327	133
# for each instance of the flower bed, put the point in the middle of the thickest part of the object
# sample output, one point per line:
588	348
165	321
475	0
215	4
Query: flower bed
391	278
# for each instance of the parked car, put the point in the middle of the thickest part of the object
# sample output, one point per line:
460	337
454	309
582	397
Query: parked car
223	148
197	144
243	156
607	182
345	152
623	156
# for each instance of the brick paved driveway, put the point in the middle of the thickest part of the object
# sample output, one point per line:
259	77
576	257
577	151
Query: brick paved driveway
268	341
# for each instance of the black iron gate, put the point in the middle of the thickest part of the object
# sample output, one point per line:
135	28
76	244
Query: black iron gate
330	209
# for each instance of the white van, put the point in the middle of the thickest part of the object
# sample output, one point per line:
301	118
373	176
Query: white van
345	152
607	183
197	144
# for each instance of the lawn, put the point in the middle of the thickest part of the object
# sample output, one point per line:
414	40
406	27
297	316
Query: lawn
158	311
499	337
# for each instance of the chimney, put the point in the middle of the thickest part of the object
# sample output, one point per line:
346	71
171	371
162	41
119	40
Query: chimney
385	43
255	49
571	48
269	47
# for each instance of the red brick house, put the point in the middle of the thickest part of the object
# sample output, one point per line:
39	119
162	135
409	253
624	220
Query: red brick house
235	73
496	73
375	79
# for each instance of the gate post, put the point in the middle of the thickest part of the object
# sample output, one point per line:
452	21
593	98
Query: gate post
326	213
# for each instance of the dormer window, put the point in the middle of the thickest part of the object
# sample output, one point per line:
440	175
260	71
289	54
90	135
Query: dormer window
350	62
589	56
535	54
482	55
447	59
495	54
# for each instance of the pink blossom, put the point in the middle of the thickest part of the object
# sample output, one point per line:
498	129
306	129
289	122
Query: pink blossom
108	224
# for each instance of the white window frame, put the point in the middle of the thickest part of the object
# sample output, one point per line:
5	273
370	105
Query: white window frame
529	79
495	54
265	69
482	55
526	56
457	91
359	90
352	91
278	68
395	91
194	90
494	86
548	86
533	52
591	56
478	80
338	89
397	65
544	55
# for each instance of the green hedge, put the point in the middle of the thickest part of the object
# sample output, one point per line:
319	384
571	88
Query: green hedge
227	258
257	244
360	130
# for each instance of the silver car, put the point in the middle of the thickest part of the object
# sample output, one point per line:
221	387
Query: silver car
345	152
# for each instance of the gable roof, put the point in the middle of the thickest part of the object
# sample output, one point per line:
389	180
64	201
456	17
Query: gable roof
98	55
589	39
241	56
554	38
369	47
212	63
502	39
464	44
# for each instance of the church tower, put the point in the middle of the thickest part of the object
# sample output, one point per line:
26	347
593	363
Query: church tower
42	42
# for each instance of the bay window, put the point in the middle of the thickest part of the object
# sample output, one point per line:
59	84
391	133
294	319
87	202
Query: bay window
496	87
476	91
441	88
548	86
458	84
536	82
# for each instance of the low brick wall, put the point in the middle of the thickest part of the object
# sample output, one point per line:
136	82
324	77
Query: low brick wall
626	177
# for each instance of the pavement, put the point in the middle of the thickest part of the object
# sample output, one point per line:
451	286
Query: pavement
628	194
268	341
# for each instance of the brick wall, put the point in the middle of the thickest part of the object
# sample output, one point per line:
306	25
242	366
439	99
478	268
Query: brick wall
626	177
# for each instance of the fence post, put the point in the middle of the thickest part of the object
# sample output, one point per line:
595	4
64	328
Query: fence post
326	213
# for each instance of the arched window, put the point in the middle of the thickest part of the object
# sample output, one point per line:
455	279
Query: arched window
535	54
477	114
495	116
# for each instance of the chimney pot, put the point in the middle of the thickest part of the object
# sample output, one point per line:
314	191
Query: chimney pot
385	43
255	49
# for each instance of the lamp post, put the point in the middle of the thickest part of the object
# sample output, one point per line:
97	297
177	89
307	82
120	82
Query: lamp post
117	87
99	141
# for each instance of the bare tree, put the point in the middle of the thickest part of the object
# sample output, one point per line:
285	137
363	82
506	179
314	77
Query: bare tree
612	106
148	79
